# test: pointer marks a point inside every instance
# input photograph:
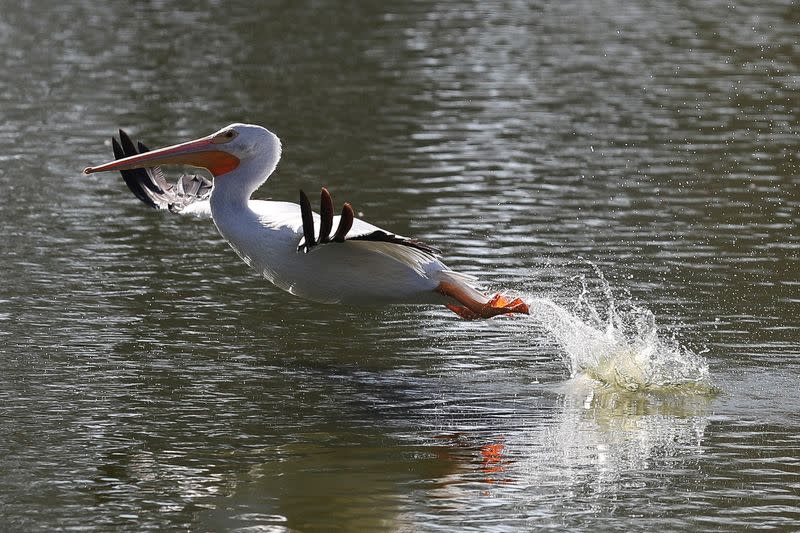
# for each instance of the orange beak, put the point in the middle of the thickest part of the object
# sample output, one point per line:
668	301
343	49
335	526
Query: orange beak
199	153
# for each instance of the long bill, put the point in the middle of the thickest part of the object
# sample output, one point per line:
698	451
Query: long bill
202	153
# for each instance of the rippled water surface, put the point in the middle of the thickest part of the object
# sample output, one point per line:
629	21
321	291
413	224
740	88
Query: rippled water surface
150	381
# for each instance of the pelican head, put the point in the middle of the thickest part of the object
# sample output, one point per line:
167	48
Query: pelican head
221	152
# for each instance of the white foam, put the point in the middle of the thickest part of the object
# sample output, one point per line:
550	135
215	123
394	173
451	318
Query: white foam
620	349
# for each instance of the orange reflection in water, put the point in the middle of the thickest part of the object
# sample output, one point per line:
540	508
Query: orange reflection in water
493	463
492	460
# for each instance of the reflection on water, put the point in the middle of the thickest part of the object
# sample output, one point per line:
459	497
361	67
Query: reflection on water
597	448
621	432
591	448
149	381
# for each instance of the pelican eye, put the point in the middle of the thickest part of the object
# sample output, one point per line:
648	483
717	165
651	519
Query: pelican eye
225	136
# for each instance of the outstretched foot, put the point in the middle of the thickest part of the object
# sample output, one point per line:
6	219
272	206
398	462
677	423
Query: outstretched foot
497	305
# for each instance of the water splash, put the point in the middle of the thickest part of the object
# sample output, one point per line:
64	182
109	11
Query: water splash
620	345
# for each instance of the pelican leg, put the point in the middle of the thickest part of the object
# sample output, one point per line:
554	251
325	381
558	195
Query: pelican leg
473	308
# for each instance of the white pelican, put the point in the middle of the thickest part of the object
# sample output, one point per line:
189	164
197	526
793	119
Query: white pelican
357	263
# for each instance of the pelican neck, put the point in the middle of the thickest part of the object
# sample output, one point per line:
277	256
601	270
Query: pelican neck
228	194
233	189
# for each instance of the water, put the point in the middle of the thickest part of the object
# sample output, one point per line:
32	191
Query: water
621	350
150	381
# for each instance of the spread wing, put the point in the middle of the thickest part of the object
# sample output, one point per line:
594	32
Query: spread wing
190	194
348	228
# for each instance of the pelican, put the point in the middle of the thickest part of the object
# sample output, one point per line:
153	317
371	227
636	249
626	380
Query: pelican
320	257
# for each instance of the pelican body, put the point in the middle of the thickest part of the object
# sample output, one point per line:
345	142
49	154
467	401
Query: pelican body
317	256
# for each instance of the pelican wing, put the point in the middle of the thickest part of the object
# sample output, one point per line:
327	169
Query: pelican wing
348	228
190	194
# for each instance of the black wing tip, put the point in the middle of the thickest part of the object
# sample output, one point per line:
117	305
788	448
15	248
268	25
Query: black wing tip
135	179
346	220
127	143
149	185
384	236
307	217
119	153
310	239
325	216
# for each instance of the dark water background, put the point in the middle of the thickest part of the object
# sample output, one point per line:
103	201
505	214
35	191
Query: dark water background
150	381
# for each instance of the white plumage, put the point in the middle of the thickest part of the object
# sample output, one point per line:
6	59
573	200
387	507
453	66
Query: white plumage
359	263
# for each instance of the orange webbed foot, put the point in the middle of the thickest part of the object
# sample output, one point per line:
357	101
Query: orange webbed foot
463	312
502	303
497	305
